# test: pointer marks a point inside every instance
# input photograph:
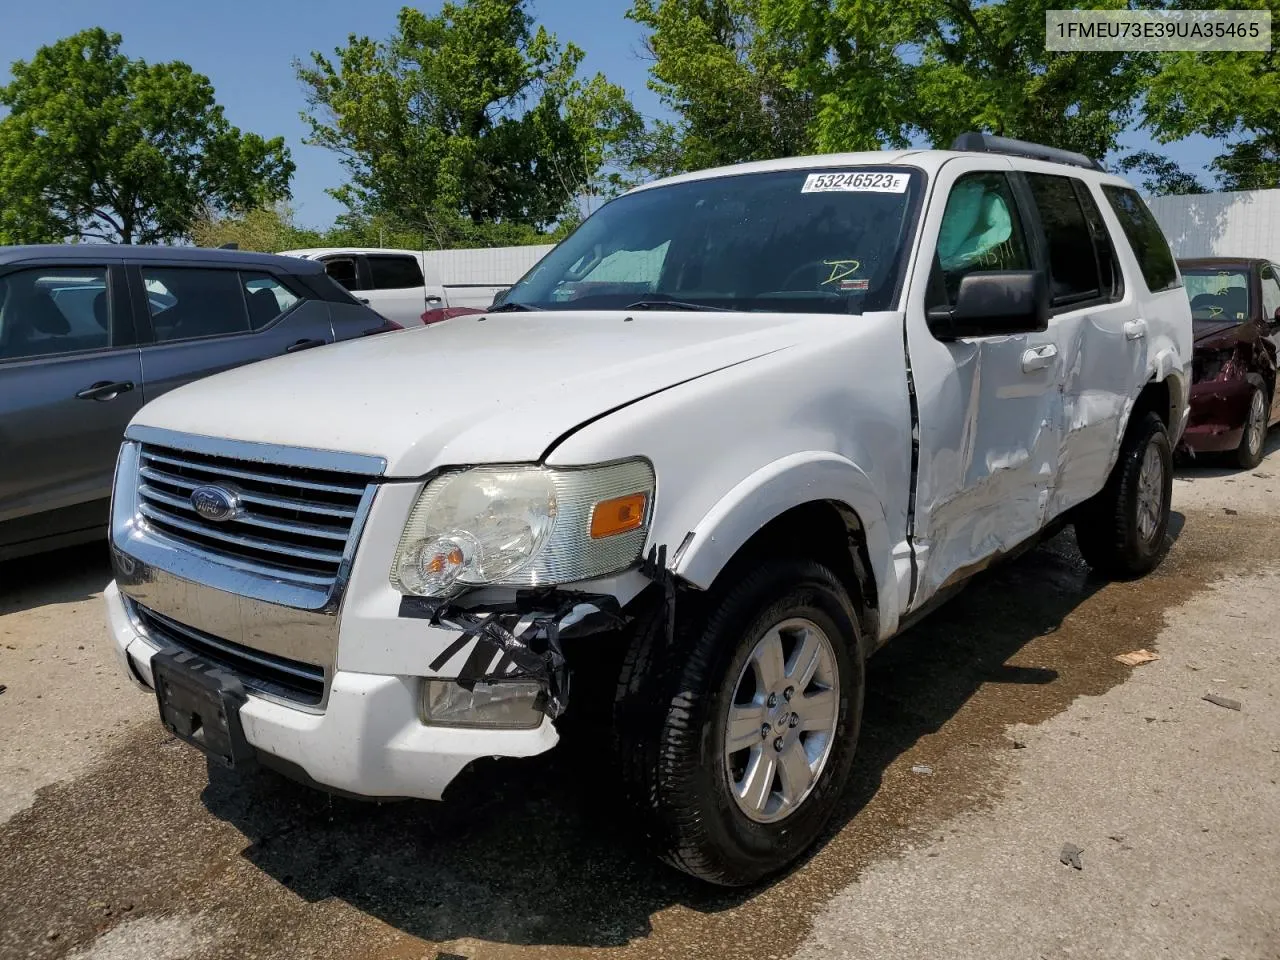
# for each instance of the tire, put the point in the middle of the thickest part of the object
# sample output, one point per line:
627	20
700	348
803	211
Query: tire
1254	441
673	709
1114	537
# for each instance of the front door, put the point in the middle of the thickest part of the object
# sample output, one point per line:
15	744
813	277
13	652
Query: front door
394	286
989	407
70	381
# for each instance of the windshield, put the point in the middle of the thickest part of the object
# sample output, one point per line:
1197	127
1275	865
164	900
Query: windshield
798	241
1218	295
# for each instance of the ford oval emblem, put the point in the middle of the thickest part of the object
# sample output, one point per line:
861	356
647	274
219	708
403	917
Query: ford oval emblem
215	503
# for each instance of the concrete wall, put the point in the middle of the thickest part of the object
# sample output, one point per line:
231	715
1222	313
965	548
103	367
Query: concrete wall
1244	224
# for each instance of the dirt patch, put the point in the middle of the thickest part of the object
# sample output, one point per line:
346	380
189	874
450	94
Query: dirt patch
532	858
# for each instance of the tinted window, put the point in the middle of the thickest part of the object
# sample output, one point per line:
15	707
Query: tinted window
1270	293
980	230
1145	237
191	302
343	272
53	310
394	273
1217	295
796	241
1073	265
267	298
1104	251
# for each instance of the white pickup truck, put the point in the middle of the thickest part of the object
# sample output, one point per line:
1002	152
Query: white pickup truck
413	287
739	429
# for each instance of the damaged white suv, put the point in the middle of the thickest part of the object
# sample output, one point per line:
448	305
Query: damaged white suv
739	429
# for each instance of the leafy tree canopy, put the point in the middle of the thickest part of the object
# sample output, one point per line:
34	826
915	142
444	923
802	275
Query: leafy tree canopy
469	117
98	146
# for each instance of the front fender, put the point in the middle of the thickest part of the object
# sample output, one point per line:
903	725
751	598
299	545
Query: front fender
792	481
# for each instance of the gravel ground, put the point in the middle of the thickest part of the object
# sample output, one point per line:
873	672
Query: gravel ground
117	842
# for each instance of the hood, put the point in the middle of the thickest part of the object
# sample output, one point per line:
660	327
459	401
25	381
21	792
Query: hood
1217	333
503	388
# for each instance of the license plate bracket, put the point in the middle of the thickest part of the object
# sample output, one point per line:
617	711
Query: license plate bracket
200	704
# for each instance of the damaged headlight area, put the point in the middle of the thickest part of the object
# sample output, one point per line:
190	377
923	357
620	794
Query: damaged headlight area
501	704
524	526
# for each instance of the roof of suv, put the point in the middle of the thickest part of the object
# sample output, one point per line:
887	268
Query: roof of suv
930	161
79	252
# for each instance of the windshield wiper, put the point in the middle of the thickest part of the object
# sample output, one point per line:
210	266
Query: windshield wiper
670	305
511	307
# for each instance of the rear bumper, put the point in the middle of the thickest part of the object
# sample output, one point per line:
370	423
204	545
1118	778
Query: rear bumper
1219	409
368	741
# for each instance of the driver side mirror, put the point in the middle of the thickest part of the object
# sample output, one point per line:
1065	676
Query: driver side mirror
500	298
994	303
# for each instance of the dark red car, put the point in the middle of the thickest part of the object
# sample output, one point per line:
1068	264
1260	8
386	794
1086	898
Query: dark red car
1235	304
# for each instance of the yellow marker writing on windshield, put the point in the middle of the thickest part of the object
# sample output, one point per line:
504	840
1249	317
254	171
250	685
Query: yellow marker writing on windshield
840	269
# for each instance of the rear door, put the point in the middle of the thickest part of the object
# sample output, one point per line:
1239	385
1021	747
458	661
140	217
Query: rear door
70	381
1102	363
394	286
202	319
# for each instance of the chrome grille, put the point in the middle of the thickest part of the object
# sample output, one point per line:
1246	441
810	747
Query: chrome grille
295	522
264	672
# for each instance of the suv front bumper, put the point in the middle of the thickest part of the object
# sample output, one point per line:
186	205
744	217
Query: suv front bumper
368	741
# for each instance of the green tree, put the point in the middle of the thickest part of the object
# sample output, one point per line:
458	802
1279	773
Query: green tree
98	146
761	78
1160	175
1230	96
467	118
265	229
727	81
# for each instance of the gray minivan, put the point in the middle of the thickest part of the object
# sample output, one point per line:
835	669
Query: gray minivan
89	333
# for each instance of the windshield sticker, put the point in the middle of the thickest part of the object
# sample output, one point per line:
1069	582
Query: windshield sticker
855	284
840	270
856	183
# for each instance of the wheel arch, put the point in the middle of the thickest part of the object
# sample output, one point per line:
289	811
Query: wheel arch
818	505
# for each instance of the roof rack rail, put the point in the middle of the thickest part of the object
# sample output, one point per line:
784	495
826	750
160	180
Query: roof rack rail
985	143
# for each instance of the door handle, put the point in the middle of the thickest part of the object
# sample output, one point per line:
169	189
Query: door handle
434	299
364	300
1038	358
304	345
1135	329
105	390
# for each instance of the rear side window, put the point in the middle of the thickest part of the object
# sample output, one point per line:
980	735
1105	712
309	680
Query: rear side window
187	303
1155	260
394	273
53	310
343	272
267	298
1073	271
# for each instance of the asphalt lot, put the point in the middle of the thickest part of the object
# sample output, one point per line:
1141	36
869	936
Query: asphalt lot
116	842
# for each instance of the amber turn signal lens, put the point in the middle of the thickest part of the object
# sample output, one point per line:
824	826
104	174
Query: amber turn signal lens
617	515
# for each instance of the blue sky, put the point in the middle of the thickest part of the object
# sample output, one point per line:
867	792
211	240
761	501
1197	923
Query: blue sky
246	47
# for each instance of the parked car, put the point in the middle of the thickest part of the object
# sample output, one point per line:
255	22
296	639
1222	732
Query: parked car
1235	304
424	287
88	333
808	399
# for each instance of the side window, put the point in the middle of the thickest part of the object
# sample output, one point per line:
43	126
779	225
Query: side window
267	298
1073	264
1270	294
343	271
187	303
54	310
980	231
1144	235
1104	250
394	273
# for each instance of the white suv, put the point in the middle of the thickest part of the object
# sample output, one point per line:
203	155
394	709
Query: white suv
738	430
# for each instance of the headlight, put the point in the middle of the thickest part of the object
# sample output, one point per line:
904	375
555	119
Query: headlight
524	526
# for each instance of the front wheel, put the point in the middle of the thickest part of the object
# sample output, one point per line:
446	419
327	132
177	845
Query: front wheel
737	743
1121	531
1252	443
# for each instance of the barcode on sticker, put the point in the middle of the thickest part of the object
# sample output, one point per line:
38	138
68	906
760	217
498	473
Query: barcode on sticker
863	182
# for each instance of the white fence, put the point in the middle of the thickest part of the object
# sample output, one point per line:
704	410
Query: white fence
497	266
1243	224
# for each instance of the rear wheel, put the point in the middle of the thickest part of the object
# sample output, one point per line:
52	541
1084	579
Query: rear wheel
1249	454
1121	531
737	744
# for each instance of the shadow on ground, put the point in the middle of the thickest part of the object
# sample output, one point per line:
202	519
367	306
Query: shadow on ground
539	852
63	576
1208	465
